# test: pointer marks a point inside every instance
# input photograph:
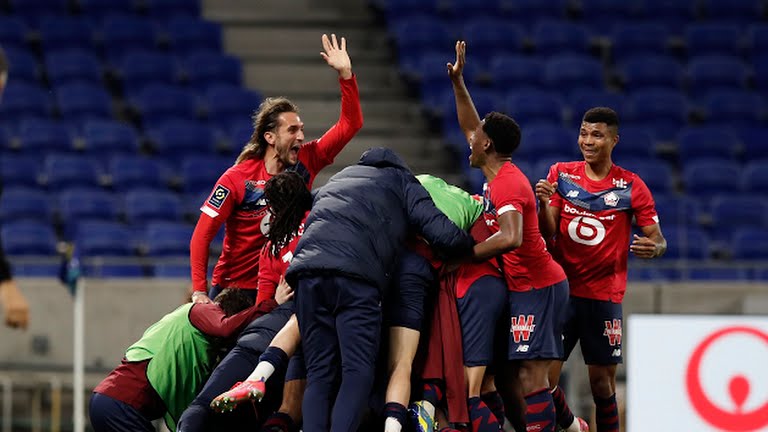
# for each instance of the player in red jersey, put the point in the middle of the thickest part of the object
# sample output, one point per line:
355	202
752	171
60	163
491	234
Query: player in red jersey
538	288
587	208
238	200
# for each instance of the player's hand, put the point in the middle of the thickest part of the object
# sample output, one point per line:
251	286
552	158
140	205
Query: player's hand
284	291
200	297
336	56
545	190
15	306
456	69
643	247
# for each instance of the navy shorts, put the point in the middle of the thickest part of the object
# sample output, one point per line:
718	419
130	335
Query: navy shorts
404	303
480	310
112	415
536	322
597	325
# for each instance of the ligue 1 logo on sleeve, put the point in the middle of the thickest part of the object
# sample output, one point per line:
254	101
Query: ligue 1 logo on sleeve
730	400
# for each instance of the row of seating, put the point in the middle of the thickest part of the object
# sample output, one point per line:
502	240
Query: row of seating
31	11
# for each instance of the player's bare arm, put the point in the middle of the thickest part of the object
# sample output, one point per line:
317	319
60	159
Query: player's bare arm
336	55
15	306
465	108
549	216
651	245
509	237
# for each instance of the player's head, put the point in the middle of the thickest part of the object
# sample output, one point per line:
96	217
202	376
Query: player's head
276	124
288	199
497	133
232	301
599	134
3	70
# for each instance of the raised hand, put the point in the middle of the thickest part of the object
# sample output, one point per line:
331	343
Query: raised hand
455	69
545	190
336	56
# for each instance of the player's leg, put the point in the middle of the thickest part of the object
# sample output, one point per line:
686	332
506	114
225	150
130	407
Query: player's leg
571	331
490	395
403	343
288	417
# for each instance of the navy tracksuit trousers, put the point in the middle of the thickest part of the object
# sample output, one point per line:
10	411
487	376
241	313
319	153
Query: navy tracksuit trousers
340	323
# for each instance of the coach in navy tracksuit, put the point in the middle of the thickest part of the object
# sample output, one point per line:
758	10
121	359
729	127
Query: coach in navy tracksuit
341	267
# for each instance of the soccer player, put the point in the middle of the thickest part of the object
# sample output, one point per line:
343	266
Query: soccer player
538	288
587	207
15	306
238	200
342	267
161	373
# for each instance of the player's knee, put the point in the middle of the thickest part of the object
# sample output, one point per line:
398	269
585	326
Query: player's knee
601	382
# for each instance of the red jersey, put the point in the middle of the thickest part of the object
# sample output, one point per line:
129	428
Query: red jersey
592	240
529	266
271	267
238	199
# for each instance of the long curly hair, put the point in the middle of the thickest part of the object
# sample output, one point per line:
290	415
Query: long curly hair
288	199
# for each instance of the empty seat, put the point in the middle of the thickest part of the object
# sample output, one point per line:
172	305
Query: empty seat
734	107
189	34
41	136
160	103
28	238
31	10
651	70
715	72
62	171
638	38
635	142
19	170
61	32
543	140
534	8
23	100
109	137
757	39
200	172
674	14
582	100
22	65
750	244
79	102
666	109
146	205
98	9
739	211
128	171
417	33
569	71
179	137
711	176
18	203
204	69
95	238
173	8
529	106
82	203
71	66
488	36
140	68
167	239
701	142
657	175
712	38
685	242
13	32
508	71
678	210
123	33
755	177
229	104
761	72
738	11
554	37
753	142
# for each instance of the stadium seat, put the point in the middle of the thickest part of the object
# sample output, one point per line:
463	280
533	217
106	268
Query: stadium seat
677	210
712	38
182	137
86	204
167	239
13	32
61	32
737	11
541	140
702	142
22	101
124	33
757	39
158	104
557	37
715	72
522	9
755	177
716	273
43	136
140	68
25	203
609	10
106	138
539	167
666	109
147	205
96	10
709	176
201	172
160	9
674	14
508	71
651	70
750	244
72	66
485	101
400	8
19	170
656	174
686	242
189	34
753	139
129	171
28	238
568	71
735	108
532	106
738	211
638	39
634	142
31	10
96	238
228	105
61	171
477	8
421	32
761	72
204	69
490	36
22	65
80	102
582	100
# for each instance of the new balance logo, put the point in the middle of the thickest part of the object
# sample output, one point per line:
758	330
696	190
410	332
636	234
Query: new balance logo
616	353
522	327
613	331
572	194
523	348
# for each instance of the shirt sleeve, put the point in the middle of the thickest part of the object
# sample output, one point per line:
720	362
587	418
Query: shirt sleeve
269	277
643	206
209	318
556	200
320	153
507	194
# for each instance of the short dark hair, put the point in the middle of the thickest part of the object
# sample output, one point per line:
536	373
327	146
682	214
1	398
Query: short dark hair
265	119
503	131
3	62
233	300
288	199
602	115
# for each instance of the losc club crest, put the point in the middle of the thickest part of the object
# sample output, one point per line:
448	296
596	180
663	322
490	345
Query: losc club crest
611	199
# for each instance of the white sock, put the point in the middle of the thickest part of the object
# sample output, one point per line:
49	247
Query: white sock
392	425
263	371
574	427
429	407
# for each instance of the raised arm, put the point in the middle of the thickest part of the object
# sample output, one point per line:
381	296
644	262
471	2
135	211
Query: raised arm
465	108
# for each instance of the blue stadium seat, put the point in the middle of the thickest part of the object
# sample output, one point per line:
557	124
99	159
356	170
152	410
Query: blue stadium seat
674	14
666	109
43	136
735	108
757	39
180	137
753	139
160	103
678	210
228	105
28	238
491	36
702	142
570	71
190	34
750	244
531	106
32	10
204	69
635	141
755	177
523	9
96	10
484	100
557	37
420	33
201	172
25	203
128	171
708	176
737	11
123	33
140	68
714	72
465	8
63	171
651	70
542	140
686	242
80	102
712	38
739	211
19	170
638	38
61	32
72	66
716	273
78	205
609	10
582	100
172	8
507	71
147	205
760	65
539	168
13	32
23	66
96	238
167	239
104	137
239	135
656	174
400	8
23	100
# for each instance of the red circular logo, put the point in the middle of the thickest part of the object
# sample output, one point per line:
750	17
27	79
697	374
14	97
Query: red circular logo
738	387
